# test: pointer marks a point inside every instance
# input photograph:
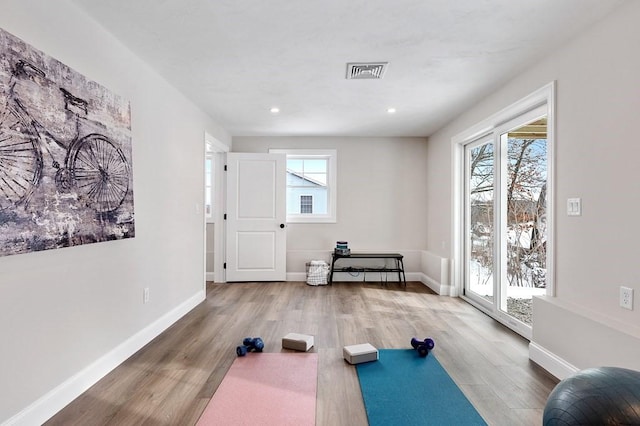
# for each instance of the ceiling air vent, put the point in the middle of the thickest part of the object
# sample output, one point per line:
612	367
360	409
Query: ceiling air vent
366	71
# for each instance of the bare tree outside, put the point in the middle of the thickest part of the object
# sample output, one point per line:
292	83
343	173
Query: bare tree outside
526	209
481	193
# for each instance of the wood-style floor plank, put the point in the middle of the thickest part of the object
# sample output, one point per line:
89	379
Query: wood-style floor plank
170	381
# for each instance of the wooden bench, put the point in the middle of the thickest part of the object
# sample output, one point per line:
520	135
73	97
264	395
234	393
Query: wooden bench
396	257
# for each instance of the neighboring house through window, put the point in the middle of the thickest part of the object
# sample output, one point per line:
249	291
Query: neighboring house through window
311	185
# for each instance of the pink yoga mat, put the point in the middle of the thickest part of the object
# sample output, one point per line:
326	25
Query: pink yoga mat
263	389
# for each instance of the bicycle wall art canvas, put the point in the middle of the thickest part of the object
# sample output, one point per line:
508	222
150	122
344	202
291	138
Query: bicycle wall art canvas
65	155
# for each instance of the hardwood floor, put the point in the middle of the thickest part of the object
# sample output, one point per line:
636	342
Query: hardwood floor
170	381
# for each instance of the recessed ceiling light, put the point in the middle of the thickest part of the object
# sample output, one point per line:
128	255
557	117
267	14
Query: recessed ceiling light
274	110
391	110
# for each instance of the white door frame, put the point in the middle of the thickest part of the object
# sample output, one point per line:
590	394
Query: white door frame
219	151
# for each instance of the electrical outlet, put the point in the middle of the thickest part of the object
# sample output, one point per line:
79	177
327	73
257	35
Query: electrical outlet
626	298
145	295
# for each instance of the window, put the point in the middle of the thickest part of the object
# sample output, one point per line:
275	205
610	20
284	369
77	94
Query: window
311	185
306	204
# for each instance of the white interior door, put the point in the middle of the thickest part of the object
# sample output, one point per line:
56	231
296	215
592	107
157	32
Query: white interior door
256	217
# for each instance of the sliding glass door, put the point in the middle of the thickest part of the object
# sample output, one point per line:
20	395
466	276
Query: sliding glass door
505	209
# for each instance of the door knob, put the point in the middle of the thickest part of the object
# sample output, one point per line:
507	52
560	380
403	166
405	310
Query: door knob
282	225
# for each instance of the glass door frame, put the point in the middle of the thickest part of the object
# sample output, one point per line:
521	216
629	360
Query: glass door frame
542	99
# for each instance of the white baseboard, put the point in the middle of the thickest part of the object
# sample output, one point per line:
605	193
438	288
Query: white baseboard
443	290
48	405
210	276
411	276
371	277
555	365
296	276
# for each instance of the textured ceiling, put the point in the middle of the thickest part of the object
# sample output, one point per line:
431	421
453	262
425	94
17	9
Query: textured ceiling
238	58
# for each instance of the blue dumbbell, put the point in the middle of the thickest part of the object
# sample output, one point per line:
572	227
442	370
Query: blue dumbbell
250	344
253	344
423	346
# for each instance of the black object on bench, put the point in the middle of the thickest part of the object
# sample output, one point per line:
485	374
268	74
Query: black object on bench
399	264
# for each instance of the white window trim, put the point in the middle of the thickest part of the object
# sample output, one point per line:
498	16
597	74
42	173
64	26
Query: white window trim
331	155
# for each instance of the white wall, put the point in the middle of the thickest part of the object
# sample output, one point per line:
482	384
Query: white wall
598	105
67	316
381	199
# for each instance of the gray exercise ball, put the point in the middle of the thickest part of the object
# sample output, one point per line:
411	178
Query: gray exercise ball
595	396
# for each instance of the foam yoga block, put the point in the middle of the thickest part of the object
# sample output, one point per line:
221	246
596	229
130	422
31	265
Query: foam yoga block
357	354
297	342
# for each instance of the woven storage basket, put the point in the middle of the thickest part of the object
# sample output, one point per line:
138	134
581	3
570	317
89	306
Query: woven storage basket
317	272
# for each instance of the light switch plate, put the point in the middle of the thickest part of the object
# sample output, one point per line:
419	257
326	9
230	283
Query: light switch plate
574	207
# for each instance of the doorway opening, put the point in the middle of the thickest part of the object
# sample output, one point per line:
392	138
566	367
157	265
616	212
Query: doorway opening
214	196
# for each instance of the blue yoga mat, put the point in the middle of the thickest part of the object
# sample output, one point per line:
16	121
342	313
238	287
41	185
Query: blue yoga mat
403	389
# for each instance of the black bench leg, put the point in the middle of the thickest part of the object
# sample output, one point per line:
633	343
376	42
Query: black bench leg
333	261
404	278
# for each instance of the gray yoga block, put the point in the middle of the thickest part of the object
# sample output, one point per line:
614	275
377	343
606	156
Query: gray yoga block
297	342
357	354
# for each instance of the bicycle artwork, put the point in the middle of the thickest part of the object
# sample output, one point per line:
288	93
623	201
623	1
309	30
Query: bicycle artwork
65	155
